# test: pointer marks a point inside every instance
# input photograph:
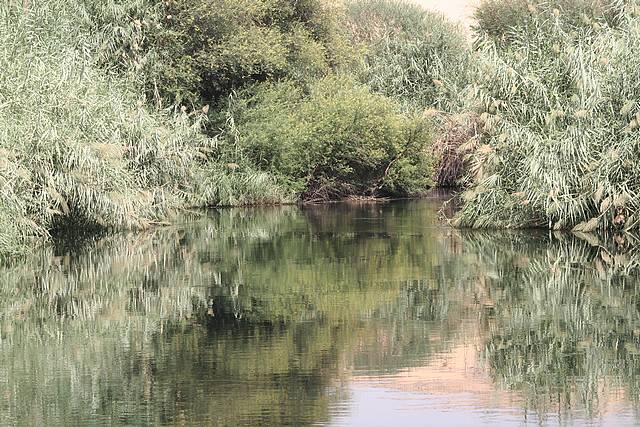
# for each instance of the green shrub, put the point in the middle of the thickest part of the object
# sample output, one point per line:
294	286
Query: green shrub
410	54
336	141
502	20
560	144
204	49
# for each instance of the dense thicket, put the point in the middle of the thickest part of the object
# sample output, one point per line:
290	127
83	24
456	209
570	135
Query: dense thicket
560	115
204	49
270	68
78	145
115	113
338	140
423	61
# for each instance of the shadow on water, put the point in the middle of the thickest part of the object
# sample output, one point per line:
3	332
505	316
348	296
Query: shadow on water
273	316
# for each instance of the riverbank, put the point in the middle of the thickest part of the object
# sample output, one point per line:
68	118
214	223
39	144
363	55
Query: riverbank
135	110
118	125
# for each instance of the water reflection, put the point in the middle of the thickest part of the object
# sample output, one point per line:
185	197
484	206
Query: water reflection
343	314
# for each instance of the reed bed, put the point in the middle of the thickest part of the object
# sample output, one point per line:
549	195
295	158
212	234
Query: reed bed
560	117
79	145
410	54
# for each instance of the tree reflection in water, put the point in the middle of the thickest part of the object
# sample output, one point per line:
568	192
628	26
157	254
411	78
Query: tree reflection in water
268	316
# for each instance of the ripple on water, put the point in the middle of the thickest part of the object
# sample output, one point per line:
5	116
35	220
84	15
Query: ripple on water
367	314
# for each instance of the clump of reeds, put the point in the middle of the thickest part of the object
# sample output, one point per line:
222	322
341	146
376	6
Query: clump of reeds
560	115
410	54
78	145
502	20
456	139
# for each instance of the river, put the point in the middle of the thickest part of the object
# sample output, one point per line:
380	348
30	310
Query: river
370	314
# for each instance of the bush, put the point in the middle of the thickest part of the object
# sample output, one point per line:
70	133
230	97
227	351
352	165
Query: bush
410	54
205	49
560	144
338	140
78	146
502	20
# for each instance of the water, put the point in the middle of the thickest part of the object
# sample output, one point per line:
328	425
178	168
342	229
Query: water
346	314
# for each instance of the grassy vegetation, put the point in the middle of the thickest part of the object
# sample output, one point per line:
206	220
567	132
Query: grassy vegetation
410	54
559	112
115	114
548	131
424	62
503	20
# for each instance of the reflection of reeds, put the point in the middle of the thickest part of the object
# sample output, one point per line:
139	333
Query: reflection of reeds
211	301
565	325
371	286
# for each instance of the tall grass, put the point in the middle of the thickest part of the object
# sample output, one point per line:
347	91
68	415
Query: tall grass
78	145
502	20
409	53
560	119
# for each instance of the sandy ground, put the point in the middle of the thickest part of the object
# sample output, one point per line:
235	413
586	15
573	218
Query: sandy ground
456	10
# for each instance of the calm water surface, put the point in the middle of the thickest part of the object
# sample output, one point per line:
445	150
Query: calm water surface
364	315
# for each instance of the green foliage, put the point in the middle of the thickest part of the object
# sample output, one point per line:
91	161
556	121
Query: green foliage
78	147
336	141
204	49
81	146
560	122
410	54
502	20
235	185
418	58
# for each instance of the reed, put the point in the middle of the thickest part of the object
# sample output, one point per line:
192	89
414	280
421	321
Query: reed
501	20
79	145
559	129
410	54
